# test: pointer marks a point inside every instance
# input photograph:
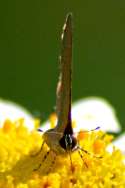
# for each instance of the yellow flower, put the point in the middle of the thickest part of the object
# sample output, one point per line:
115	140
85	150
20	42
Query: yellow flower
21	167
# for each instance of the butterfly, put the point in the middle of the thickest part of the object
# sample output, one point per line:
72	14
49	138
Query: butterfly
61	139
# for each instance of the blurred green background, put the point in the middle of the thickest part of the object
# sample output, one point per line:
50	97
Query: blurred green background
30	46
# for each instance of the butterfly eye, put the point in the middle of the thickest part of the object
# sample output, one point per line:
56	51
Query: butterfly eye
68	142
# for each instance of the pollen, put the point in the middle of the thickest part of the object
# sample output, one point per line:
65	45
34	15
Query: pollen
8	126
82	135
98	146
53	118
36	123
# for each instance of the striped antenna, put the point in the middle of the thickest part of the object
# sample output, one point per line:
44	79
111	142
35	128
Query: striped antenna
91	130
63	101
55	132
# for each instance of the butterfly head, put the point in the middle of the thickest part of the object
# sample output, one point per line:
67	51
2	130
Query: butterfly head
60	143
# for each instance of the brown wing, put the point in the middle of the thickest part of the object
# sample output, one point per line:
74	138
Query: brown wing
63	103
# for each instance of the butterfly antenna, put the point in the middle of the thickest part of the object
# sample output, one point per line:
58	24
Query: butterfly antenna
40	130
97	128
55	132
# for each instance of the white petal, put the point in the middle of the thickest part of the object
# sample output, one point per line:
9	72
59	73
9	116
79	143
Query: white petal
92	112
13	111
45	126
118	143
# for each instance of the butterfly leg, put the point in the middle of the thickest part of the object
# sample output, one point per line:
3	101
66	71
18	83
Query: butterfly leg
85	151
52	163
81	156
44	158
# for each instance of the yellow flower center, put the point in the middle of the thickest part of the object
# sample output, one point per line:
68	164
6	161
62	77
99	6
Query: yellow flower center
19	164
